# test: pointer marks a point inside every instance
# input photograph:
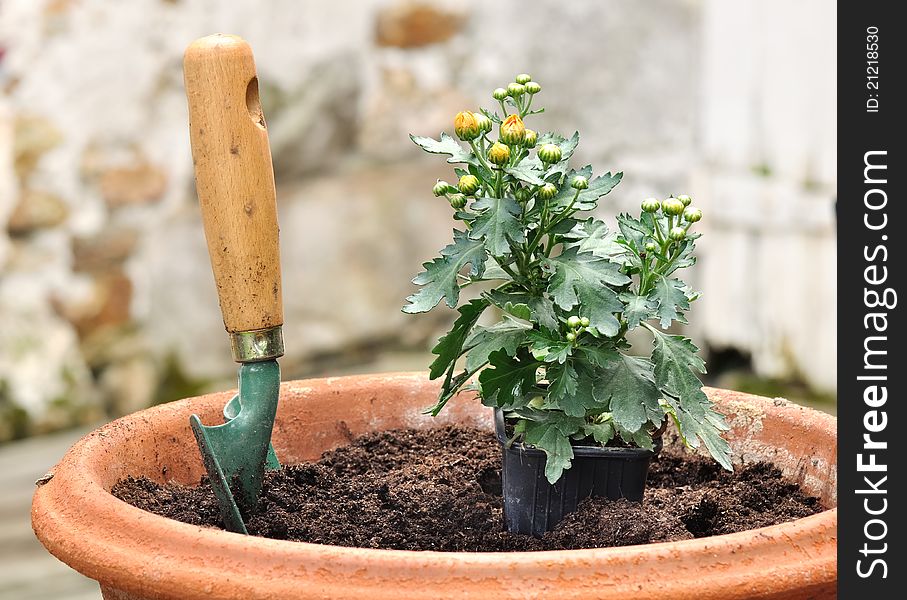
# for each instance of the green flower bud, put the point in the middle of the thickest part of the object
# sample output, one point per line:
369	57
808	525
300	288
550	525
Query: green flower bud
485	124
550	153
516	89
523	194
579	183
547	192
573	322
678	233
685	199
537	402
441	188
585	322
466	126
692	214
532	87
468	184
457	201
530	138
523	78
571	336
651	247
651	205
499	154
672	206
512	130
499	94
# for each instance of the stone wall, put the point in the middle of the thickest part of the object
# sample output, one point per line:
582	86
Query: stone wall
106	300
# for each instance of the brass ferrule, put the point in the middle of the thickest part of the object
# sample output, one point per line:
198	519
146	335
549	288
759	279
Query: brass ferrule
257	345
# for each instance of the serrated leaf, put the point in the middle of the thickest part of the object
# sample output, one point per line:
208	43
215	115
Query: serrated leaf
543	312
553	438
450	346
598	356
562	388
637	310
496	224
685	258
581	397
507	335
451	386
547	348
446	145
439	280
583	278
526	173
602	432
676	365
541	308
587	198
635	231
628	385
518	310
593	236
507	379
670	299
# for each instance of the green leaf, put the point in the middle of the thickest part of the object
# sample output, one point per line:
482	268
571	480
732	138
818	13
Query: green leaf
450	387
635	231
506	335
628	385
543	312
594	237
583	278
439	280
587	198
507	379
518	310
685	258
450	346
601	432
637	310
526	173
545	346
496	224
599	356
541	308
676	365
669	297
578	397
446	145
553	437
562	387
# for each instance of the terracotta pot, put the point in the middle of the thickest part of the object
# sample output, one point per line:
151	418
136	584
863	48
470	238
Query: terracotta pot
135	554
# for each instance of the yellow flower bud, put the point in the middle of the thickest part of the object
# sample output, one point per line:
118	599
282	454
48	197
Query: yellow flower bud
466	126
512	130
499	154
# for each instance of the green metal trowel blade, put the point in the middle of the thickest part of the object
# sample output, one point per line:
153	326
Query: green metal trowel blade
231	409
237	451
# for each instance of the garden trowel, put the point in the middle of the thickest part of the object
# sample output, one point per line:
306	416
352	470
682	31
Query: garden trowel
235	183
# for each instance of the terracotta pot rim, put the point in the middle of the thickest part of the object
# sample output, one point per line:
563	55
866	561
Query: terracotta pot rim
76	482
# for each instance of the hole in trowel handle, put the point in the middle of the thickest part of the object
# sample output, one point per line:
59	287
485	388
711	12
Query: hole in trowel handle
253	103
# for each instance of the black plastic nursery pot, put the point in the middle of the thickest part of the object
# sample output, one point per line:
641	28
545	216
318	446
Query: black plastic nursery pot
533	506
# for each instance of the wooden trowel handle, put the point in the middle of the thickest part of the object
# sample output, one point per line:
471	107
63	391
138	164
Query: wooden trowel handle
235	181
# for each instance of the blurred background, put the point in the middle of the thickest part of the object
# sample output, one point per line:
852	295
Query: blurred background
107	304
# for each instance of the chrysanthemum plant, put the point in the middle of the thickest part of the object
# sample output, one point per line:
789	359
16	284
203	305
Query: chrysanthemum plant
567	289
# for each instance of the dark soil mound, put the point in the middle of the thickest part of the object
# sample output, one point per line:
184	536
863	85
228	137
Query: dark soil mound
440	490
